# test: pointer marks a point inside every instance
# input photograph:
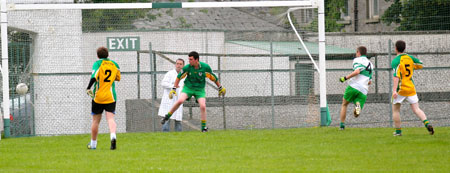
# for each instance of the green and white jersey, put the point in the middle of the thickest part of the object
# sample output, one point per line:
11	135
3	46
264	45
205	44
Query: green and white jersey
361	81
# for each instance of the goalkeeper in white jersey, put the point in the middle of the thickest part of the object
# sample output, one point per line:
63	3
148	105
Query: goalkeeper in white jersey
358	84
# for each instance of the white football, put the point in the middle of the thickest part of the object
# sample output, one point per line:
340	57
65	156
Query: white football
21	88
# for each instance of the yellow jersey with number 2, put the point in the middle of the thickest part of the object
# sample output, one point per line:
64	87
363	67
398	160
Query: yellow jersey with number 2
105	71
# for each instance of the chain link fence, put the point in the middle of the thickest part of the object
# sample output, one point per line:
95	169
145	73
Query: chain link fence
270	80
295	99
258	95
431	85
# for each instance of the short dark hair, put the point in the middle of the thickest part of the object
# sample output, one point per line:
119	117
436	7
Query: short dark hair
194	54
102	52
400	45
179	59
362	50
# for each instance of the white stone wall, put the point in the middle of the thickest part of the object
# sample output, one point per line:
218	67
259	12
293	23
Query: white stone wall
415	42
212	42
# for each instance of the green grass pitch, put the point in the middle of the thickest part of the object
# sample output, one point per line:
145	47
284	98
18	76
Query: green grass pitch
278	150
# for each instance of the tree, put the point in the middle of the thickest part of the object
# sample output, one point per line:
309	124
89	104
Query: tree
416	15
333	10
111	20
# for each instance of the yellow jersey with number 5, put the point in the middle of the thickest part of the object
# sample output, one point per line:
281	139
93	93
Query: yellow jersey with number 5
404	66
105	71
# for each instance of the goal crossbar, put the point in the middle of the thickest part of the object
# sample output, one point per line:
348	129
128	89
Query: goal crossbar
306	3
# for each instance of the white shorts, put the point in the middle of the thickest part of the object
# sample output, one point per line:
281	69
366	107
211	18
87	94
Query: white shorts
410	99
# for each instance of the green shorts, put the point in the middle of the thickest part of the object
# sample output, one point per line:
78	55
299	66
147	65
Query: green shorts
192	92
353	95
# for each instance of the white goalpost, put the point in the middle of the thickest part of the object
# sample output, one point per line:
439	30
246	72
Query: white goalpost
4	68
293	5
324	113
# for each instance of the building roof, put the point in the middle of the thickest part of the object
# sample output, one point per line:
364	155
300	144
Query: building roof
212	19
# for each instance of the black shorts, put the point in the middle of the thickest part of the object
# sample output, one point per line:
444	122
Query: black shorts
98	108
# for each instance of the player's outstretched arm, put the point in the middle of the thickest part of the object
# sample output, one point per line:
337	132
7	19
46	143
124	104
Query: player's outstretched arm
354	73
88	89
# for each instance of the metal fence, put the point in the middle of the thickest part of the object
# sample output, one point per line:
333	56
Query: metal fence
258	95
287	96
271	82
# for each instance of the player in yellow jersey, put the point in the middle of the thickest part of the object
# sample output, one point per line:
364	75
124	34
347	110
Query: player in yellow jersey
104	72
404	89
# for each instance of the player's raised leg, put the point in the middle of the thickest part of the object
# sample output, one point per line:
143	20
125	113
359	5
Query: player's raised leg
419	113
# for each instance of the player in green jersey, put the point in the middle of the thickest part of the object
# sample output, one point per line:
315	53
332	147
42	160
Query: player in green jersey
195	73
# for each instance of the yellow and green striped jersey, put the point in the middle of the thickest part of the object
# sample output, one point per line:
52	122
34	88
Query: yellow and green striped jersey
195	78
105	71
404	66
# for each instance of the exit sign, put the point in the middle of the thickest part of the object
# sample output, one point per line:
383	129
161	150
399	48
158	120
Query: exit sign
123	43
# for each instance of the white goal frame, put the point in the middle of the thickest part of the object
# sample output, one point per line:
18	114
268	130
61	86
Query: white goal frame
5	7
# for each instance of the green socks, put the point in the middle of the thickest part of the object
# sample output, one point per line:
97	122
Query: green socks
169	114
342	125
398	130
426	122
203	124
